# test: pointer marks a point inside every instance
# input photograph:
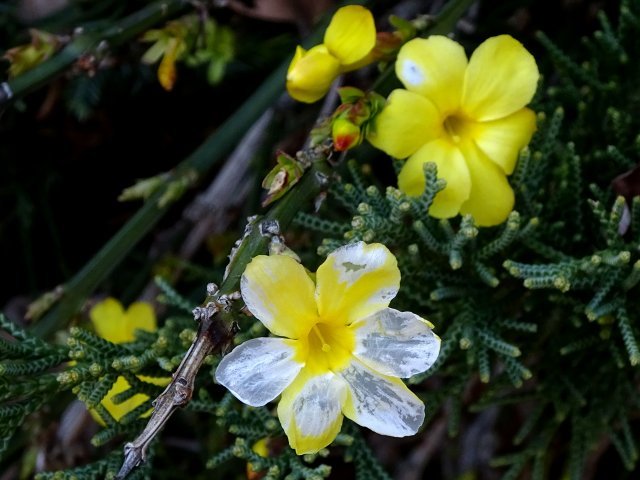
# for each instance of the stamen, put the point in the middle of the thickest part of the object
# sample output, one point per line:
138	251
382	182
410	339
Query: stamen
453	126
325	346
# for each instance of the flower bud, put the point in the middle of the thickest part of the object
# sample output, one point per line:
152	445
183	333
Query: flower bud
311	73
345	134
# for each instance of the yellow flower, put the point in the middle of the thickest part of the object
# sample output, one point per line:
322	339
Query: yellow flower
349	39
343	350
116	325
466	116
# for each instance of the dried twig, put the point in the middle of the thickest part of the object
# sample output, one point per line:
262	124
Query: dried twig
213	333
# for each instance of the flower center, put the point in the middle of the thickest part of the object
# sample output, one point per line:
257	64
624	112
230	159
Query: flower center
329	347
454	126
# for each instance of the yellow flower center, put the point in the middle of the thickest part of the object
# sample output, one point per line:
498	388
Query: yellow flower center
328	347
455	127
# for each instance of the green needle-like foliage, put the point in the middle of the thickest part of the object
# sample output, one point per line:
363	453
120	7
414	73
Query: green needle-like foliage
538	316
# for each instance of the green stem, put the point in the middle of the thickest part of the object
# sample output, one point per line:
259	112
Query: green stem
283	212
128	28
201	161
215	148
447	17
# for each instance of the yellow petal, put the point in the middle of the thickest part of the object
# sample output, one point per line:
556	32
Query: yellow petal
501	78
356	281
433	67
160	381
502	139
278	291
405	124
140	315
491	199
108	318
310	411
451	167
351	35
311	74
114	324
119	410
167	68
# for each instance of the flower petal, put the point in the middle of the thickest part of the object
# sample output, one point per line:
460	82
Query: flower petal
501	78
119	410
502	139
258	370
451	167
115	325
399	344
140	316
351	35
311	74
406	123
310	411
433	67
491	199
380	403
167	72
107	317
355	281
278	291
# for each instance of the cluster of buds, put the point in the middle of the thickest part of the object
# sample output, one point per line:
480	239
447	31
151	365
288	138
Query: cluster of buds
349	123
191	39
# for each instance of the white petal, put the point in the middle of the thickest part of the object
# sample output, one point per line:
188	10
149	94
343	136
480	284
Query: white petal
400	344
310	411
258	370
380	403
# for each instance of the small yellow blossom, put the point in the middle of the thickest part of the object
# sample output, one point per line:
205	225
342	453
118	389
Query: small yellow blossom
261	447
116	325
342	349
466	116
349	39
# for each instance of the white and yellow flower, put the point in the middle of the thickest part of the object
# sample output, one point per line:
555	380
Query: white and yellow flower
341	349
469	117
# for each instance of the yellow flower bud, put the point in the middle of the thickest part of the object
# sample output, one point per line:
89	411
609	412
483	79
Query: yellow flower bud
351	35
348	41
345	134
311	73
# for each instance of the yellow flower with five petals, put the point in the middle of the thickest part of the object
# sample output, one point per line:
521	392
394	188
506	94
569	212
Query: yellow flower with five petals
339	351
348	40
468	116
117	325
